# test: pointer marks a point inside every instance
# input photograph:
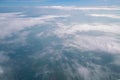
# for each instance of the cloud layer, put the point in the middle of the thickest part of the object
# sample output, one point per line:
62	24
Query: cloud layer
80	8
15	22
72	42
106	15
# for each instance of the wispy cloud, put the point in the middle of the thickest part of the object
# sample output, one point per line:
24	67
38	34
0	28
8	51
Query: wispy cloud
1	71
106	16
66	44
14	22
84	72
104	42
80	8
89	43
73	28
3	58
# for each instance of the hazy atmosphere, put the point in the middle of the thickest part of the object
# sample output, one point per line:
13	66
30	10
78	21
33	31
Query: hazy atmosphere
60	40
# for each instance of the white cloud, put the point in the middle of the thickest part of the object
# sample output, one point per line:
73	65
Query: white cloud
20	39
84	72
40	34
14	22
73	28
80	8
101	43
108	43
106	15
3	58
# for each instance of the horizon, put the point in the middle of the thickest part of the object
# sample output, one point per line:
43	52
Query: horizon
60	2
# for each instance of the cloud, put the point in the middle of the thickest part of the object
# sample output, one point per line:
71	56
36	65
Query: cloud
14	22
80	8
106	16
81	36
116	60
1	71
74	36
107	41
89	43
3	57
73	28
84	72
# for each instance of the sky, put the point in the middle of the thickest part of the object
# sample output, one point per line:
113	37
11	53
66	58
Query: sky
59	2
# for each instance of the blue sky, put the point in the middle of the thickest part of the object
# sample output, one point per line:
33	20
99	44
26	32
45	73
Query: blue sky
59	2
